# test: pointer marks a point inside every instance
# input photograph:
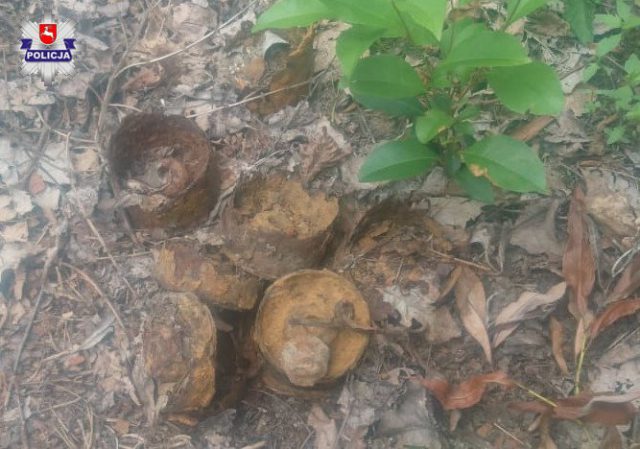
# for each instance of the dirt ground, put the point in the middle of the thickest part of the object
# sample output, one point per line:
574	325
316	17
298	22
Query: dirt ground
457	289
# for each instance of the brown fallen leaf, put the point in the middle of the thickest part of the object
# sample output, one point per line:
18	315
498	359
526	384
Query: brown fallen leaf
578	263
601	408
471	305
290	83
508	319
613	313
556	331
531	129
321	153
467	393
628	282
546	442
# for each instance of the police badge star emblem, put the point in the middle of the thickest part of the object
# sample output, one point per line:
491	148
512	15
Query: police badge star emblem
47	48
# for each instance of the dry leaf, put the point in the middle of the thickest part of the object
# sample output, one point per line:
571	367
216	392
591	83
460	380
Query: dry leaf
612	439
599	408
629	281
36	183
471	305
613	313
296	72
467	393
531	129
556	331
325	428
546	442
578	264
509	318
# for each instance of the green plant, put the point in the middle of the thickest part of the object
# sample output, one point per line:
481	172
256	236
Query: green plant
455	60
619	72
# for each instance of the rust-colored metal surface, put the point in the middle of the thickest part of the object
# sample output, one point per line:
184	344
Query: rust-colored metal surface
167	168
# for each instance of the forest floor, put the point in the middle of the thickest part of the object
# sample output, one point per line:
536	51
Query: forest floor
475	343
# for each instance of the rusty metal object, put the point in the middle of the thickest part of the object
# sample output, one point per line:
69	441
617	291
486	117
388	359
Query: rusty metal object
275	227
312	327
165	169
179	347
212	277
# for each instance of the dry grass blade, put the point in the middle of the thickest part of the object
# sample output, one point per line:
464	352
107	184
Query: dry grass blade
471	305
613	313
508	319
578	263
556	331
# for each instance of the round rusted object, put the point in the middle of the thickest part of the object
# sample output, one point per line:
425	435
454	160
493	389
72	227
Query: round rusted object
179	345
212	277
166	167
275	227
312	327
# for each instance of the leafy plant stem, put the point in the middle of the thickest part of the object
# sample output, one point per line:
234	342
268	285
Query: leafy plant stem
536	395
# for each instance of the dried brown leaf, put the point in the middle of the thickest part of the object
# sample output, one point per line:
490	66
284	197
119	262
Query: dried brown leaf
290	83
556	331
602	408
531	129
613	313
471	305
519	310
546	442
467	393
578	263
629	281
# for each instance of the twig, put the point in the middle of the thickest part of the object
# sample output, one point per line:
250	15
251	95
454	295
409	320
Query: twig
249	100
511	435
52	254
461	261
98	290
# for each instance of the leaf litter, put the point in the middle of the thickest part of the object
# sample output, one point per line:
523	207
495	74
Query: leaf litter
369	397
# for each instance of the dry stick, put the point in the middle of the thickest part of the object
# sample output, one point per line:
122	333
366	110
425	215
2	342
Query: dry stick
249	100
98	290
51	256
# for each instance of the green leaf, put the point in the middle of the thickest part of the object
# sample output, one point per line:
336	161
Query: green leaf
607	44
352	43
486	49
457	32
372	13
609	21
418	34
476	187
407	107
624	10
385	76
580	15
533	87
292	13
634	113
615	135
507	163
432	123
517	9
590	71
428	13
632	67
397	160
